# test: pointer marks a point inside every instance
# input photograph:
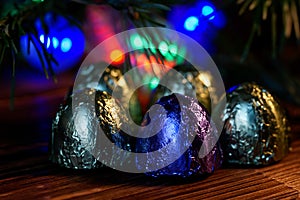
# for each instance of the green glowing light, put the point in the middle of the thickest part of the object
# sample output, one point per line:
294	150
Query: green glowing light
169	57
181	55
173	49
145	43
136	41
163	48
154	83
152	47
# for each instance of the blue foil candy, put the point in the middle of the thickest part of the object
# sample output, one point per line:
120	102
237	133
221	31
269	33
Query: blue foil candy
181	117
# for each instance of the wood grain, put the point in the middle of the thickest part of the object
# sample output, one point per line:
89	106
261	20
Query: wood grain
26	173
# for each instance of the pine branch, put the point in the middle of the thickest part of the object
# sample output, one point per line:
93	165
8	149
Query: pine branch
19	22
284	12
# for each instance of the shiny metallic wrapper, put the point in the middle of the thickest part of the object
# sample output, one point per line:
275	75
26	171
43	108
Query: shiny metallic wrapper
189	163
195	81
256	129
109	82
73	134
112	118
109	79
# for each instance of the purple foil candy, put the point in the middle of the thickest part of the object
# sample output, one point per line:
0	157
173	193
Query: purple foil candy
182	113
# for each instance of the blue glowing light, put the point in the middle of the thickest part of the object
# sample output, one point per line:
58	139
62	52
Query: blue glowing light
191	23
200	21
66	44
64	41
208	10
55	42
42	39
232	88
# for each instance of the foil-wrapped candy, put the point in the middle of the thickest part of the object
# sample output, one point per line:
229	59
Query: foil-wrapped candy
112	120
184	115
112	79
256	129
187	80
73	134
74	131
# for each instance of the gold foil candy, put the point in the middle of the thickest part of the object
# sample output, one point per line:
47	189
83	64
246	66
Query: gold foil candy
188	80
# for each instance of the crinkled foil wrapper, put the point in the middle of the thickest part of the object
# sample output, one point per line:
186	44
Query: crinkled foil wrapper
109	83
73	134
189	164
112	119
200	83
256	129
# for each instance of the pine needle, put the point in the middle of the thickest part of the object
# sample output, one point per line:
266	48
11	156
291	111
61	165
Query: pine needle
253	5
268	9
249	42
12	92
274	34
266	6
287	20
245	6
294	15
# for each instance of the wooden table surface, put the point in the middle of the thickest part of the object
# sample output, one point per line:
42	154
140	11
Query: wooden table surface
26	173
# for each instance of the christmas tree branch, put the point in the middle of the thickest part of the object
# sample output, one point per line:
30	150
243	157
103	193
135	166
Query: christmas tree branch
283	13
19	22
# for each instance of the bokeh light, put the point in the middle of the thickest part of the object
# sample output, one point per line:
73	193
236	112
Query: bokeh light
154	83
191	23
64	40
117	56
200	20
208	10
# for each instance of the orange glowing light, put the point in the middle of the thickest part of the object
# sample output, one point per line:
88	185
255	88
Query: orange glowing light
117	56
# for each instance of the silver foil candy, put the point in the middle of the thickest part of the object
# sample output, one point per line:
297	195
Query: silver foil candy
75	142
73	134
256	130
